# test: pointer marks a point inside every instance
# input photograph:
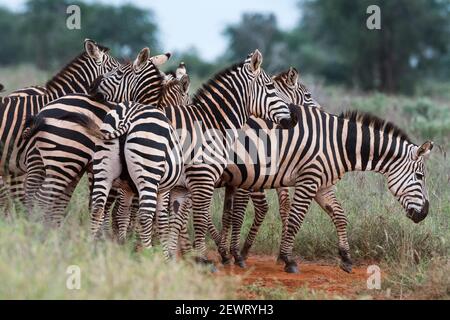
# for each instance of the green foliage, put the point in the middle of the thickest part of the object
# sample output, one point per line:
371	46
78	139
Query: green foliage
256	31
377	59
39	35
34	262
429	118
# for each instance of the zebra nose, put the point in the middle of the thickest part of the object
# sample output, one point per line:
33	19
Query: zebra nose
418	216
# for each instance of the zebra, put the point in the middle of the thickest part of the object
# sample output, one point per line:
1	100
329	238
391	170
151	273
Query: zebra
145	154
175	91
314	155
77	76
286	82
58	152
29	91
209	126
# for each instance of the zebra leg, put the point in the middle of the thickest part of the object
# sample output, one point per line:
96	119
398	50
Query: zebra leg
213	232
261	208
184	241
240	203
4	196
181	205
162	220
148	198
226	221
202	194
122	216
326	198
303	195
34	179
59	208
284	203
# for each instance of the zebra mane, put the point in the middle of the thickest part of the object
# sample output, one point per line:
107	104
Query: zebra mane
69	65
375	122
207	85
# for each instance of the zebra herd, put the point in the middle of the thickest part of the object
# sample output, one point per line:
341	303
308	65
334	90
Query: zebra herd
152	154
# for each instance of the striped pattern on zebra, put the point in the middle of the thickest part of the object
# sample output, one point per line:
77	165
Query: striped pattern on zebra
77	76
287	83
29	91
326	147
146	158
175	92
60	150
210	124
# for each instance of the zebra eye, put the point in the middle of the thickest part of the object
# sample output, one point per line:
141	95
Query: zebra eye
419	176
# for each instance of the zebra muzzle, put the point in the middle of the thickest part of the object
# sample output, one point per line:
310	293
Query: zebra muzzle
289	123
418	216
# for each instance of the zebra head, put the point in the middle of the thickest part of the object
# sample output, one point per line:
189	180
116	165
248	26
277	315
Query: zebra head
406	181
99	57
139	81
265	100
175	91
288	83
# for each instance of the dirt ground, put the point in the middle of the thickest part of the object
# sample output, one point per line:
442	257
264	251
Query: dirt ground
322	277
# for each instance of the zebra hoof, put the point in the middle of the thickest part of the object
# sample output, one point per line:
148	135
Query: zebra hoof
346	266
244	252
280	260
226	260
240	263
291	268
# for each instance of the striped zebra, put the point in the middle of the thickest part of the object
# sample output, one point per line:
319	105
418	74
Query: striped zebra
77	76
144	157
29	91
314	155
287	83
59	151
175	92
209	126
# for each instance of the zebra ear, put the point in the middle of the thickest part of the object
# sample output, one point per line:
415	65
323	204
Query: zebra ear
141	59
185	82
93	50
424	149
256	61
160	59
292	77
181	70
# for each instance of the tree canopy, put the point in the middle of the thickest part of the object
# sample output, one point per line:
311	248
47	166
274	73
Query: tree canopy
331	39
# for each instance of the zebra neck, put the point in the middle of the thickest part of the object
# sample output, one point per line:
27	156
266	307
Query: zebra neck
75	77
367	149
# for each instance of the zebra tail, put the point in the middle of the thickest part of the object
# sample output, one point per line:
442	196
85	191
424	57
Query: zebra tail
86	122
92	128
116	133
32	125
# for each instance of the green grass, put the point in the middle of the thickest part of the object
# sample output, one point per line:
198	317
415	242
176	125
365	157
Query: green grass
33	261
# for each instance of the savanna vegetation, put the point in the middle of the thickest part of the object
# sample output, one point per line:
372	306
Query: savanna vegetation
404	78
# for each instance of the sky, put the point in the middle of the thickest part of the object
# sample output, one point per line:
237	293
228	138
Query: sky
200	23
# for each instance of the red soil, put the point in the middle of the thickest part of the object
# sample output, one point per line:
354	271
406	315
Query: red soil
318	276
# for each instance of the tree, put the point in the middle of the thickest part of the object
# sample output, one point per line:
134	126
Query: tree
255	31
39	34
413	39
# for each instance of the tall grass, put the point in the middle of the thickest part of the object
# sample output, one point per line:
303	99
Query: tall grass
34	264
33	261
